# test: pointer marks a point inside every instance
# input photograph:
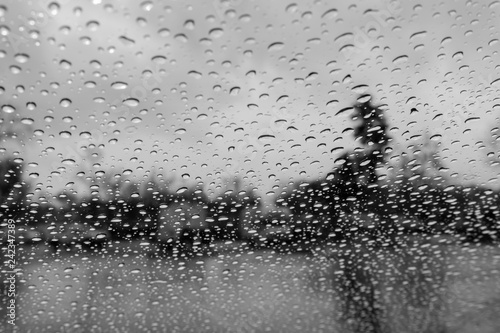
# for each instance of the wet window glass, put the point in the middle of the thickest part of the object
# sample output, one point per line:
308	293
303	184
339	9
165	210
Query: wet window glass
249	166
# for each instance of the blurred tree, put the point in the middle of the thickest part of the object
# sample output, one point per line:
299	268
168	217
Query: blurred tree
353	182
13	188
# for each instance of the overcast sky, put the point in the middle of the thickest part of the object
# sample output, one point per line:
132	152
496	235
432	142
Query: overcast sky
252	89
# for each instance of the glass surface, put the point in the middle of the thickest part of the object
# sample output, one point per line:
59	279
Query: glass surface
250	166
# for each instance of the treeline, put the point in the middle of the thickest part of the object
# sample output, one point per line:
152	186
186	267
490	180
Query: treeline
353	196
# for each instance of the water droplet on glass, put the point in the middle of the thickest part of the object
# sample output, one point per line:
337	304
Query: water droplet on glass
195	74
159	59
400	60
216	33
90	84
181	190
31	106
65	102
21	58
181	38
164	32
147	5
27	121
189	24
54	8
8	108
495	82
126	41
436	137
266	137
92	25
277	46
282	99
65	64
132	102
292	8
234	91
329	14
119	85
65	134
4	30
15	69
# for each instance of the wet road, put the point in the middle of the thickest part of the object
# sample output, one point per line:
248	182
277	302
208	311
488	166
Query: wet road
418	288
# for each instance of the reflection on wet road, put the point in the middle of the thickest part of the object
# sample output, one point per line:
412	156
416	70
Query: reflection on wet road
424	287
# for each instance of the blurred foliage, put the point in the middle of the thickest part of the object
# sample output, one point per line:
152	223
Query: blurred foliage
327	208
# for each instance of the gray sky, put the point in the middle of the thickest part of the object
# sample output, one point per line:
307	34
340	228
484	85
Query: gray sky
245	88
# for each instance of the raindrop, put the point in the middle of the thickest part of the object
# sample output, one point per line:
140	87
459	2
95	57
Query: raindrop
68	161
422	34
27	121
359	89
277	46
147	5
21	58
159	59
333	102
436	137
8	108
65	102
65	134
216	33
181	190
164	32
282	99
181	38
92	25
344	110
4	30
458	55
265	137
400	60
65	64
311	76
364	98
495	82
131	102
119	85
90	84
234	91
126	40
189	24
292	8
31	106
471	119
54	8
329	14
195	74
15	69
